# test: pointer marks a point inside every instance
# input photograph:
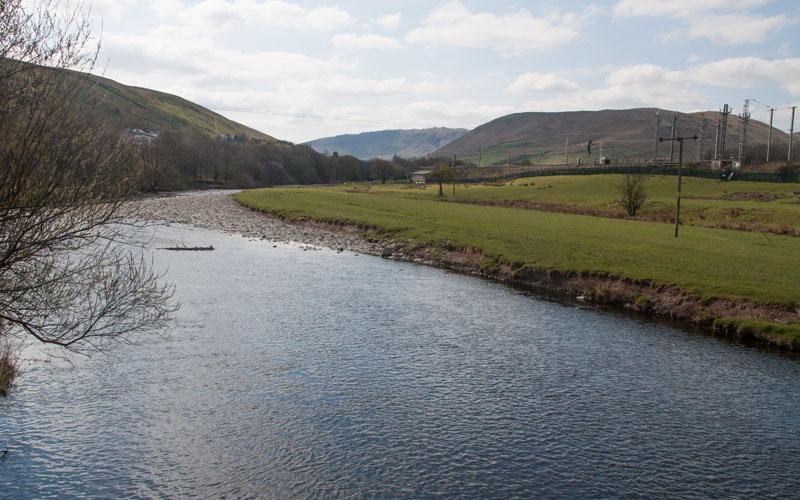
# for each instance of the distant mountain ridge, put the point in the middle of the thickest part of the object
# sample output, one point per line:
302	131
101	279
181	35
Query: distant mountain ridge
387	143
547	138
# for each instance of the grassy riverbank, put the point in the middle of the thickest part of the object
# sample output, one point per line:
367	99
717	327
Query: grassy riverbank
706	265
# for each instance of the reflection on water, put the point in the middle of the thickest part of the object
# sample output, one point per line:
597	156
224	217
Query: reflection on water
315	374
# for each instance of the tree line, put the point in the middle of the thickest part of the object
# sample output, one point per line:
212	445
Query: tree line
189	158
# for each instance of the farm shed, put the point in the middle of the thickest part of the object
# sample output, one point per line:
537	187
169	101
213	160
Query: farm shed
420	176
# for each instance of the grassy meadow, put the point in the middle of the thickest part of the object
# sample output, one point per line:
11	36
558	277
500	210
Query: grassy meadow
770	207
708	262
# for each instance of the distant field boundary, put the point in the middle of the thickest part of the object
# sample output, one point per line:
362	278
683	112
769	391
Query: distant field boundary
705	173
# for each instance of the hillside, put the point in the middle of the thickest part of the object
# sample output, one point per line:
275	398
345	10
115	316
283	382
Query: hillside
187	152
124	106
387	143
622	135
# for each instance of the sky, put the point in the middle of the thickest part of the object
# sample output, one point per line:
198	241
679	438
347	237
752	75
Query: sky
301	70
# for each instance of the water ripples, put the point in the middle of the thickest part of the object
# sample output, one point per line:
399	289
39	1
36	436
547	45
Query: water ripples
296	374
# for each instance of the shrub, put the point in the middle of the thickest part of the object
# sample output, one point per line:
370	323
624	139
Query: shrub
8	366
632	193
789	169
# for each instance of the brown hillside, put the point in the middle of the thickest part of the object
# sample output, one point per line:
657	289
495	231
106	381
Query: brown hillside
622	134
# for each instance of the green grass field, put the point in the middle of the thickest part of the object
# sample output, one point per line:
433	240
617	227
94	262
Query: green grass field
705	202
708	262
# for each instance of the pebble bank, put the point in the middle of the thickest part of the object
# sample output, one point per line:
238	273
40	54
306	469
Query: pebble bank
220	212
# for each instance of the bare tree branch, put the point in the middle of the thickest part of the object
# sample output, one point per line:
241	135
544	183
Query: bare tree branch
68	273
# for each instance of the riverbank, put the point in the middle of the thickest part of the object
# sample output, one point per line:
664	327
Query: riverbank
769	322
734	283
220	212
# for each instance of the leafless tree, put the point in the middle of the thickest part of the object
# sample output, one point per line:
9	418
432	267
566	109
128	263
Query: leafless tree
632	193
70	274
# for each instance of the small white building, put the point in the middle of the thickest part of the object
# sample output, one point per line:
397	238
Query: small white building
420	176
141	136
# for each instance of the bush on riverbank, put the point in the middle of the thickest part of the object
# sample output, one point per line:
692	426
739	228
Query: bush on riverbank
8	364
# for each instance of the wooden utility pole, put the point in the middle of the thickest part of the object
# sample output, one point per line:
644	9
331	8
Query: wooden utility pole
566	154
679	140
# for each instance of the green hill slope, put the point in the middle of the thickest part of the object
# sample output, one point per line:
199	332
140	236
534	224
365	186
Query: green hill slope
124	106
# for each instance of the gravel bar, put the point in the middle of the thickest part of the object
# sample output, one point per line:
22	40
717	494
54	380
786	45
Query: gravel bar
220	212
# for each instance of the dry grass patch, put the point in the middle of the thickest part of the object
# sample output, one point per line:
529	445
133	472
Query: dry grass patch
8	367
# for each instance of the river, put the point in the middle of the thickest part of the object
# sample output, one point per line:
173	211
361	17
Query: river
317	374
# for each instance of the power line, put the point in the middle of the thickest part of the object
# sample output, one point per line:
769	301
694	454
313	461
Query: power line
756	101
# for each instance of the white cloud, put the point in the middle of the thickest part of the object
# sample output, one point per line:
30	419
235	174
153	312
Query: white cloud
727	22
538	82
328	18
110	10
170	56
216	15
352	41
644	74
389	21
295	58
649	85
341	85
453	25
643	85
460	113
735	29
280	88
632	8
356	86
749	72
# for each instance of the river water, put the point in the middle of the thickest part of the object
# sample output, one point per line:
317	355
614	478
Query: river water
316	374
